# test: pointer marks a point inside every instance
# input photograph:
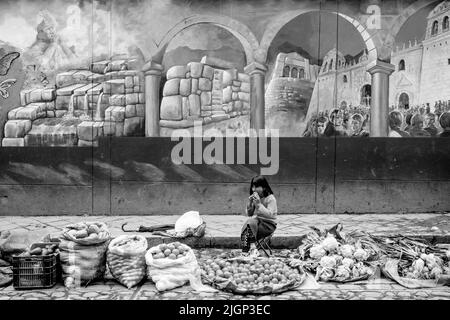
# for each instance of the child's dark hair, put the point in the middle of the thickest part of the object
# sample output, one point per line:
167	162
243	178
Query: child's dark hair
260	181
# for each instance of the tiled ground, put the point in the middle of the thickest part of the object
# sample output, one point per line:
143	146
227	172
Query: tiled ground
379	289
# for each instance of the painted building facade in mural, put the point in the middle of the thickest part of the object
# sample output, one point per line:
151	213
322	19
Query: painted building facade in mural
79	70
341	83
423	68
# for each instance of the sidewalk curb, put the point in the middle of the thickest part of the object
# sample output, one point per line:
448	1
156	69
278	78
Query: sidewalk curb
277	242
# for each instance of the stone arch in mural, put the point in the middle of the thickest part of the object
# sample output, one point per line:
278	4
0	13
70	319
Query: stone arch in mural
236	28
401	94
404	100
404	16
281	20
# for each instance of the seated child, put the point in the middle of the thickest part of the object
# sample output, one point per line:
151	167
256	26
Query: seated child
262	208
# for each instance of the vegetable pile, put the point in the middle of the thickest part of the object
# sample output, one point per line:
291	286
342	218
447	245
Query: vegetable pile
43	250
243	275
426	267
340	260
87	232
174	250
417	259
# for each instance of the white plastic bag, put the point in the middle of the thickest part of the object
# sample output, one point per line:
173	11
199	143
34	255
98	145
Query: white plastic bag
168	273
189	220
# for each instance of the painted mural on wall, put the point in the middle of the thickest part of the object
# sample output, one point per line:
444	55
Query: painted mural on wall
72	71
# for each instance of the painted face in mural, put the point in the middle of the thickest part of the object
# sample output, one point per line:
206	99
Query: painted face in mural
321	127
355	126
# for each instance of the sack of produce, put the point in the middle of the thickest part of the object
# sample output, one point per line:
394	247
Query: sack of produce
173	265
83	252
126	259
243	275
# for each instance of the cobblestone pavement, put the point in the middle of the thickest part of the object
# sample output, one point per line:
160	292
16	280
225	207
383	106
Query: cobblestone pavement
380	289
224	230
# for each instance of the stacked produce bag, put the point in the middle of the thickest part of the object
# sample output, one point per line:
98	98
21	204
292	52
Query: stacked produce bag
126	259
173	265
83	252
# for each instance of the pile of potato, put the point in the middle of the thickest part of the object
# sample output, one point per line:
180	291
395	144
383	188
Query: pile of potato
43	250
174	250
87	230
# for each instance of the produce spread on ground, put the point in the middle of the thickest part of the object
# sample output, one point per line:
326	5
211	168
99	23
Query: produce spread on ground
84	251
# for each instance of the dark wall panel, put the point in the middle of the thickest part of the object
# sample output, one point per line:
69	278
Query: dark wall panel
392	196
43	200
207	198
406	159
136	176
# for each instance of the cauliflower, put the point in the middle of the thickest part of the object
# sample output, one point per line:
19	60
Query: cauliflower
343	273
325	274
348	262
347	250
330	243
317	252
431	260
328	262
338	258
435	272
361	255
366	271
418	265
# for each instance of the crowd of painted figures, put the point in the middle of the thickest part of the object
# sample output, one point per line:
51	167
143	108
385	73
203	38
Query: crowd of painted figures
354	121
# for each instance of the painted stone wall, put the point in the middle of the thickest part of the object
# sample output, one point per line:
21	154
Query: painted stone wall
201	92
435	70
291	89
106	100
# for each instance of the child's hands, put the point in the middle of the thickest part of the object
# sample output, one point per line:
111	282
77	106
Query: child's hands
256	199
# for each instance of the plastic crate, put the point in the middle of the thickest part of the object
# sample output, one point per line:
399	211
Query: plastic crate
35	272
